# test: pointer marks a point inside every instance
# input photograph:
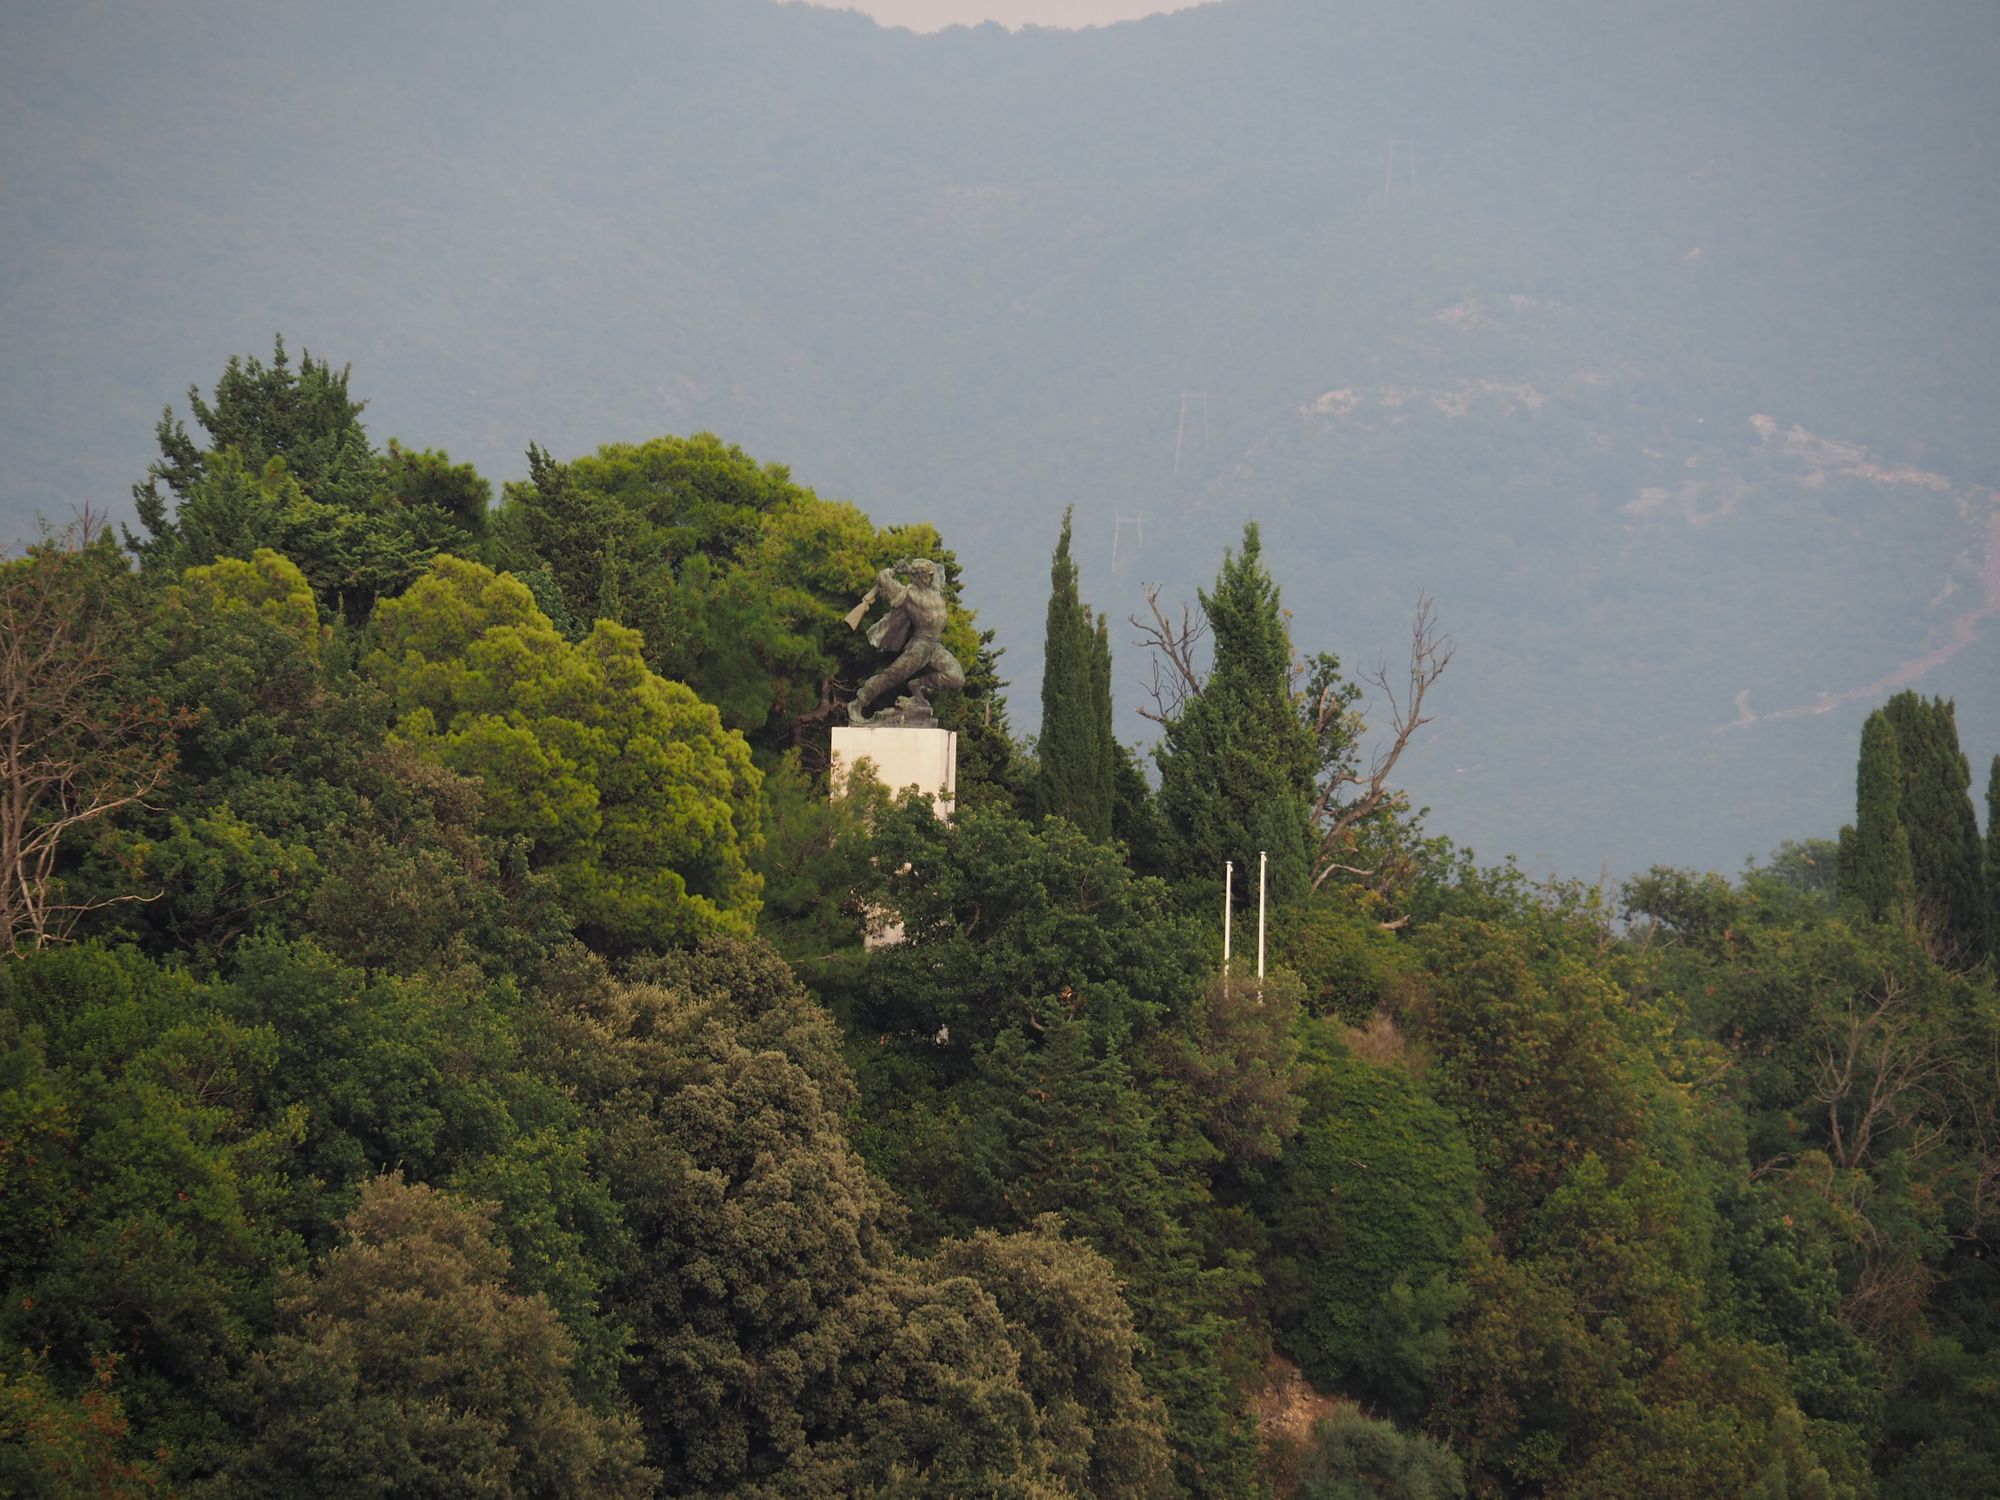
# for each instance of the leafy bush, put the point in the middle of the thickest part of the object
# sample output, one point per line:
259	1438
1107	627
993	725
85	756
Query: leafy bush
1356	1457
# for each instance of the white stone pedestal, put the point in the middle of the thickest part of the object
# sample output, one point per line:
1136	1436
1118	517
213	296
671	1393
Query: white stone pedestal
902	757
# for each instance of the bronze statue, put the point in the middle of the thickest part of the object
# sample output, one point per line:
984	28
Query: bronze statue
911	629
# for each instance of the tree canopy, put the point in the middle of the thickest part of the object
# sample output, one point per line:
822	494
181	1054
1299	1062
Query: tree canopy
626	786
1237	761
1935	809
1076	756
453	1056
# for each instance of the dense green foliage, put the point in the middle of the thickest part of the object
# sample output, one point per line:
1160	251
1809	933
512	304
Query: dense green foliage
736	578
1913	853
1875	866
1520	371
624	785
405	1365
1936	810
1075	754
1369	1213
289	465
1355	1458
467	1072
1237	762
1993	860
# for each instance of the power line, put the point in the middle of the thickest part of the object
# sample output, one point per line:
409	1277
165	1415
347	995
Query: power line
1180	432
1118	525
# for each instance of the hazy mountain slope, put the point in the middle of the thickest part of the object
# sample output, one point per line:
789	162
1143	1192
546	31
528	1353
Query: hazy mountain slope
1516	361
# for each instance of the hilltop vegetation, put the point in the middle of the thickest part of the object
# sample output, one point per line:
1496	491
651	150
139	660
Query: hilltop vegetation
1656	339
439	1052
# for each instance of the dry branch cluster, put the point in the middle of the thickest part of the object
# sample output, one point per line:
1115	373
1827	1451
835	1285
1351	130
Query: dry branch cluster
72	752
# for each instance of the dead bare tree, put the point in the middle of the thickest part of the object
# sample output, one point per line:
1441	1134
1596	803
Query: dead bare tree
1170	645
71	753
1887	1066
1877	1068
1350	796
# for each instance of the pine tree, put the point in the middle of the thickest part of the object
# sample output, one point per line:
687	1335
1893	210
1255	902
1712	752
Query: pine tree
1237	763
262	412
1875	869
1077	749
1936	810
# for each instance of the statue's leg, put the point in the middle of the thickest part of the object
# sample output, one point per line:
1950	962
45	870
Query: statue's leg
898	672
941	670
863	696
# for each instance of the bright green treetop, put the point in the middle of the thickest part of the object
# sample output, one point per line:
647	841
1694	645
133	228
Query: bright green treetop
266	584
626	785
737	577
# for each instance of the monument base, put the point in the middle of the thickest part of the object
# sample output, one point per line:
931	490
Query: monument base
902	756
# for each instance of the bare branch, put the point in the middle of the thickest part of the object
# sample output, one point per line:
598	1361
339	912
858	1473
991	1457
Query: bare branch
1874	1071
71	753
1339	816
1171	646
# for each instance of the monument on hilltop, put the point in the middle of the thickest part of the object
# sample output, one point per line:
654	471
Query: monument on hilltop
904	742
913	629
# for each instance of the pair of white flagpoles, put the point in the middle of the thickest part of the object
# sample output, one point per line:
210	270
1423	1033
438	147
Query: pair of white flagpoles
1229	910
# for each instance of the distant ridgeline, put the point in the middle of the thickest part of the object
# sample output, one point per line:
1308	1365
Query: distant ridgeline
440	1051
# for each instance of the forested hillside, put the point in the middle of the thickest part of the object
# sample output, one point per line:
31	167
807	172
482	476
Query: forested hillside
1654	340
439	1053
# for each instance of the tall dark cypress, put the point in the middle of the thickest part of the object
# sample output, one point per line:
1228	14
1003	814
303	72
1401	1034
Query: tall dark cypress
1936	810
1875	860
1076	747
1104	769
1993	860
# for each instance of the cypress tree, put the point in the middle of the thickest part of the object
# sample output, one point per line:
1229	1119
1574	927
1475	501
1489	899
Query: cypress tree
1237	764
1875	865
1936	810
1844	888
1993	860
1104	779
1077	749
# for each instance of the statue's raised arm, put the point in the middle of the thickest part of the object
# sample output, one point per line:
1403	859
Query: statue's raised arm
911	629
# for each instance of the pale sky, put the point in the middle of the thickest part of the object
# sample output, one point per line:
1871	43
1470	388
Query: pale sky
931	15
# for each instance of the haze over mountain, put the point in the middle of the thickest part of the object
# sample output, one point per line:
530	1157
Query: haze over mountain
1657	341
935	15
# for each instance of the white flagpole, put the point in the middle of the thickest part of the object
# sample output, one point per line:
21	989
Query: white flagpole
1262	860
1228	894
